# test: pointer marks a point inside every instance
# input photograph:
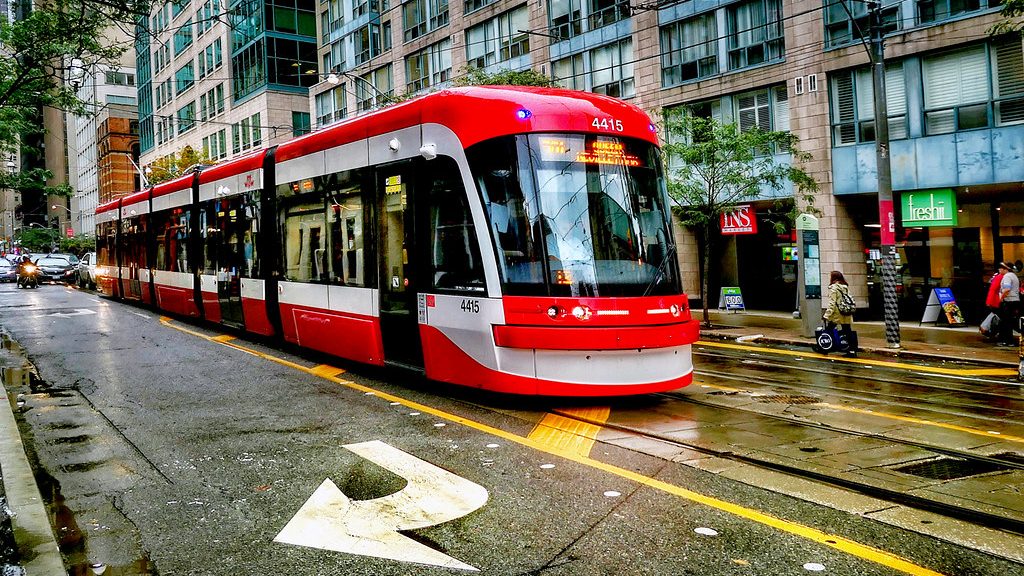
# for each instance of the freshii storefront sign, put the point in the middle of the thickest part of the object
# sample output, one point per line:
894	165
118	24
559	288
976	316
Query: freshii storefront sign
929	207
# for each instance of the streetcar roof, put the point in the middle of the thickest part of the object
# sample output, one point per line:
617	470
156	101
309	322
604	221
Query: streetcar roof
477	113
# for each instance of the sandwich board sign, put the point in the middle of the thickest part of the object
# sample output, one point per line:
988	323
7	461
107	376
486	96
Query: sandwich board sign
731	298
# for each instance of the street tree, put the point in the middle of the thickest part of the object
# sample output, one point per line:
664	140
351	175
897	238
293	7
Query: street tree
479	77
714	167
177	163
1013	18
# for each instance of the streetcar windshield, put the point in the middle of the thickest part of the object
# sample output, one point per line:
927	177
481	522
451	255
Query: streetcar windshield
577	215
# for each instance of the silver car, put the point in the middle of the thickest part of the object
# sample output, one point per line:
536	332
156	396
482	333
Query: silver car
87	271
8	270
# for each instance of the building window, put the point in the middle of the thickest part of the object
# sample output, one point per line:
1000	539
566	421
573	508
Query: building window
1009	81
498	39
209	14
184	78
755	33
611	69
361	7
853	105
183	37
292	62
841	30
186	117
689	49
956	91
366	42
215	146
119	78
422	16
429	67
211	104
372	86
605	12
569	72
211	58
331	106
939	10
474	5
566	18
248	71
292	16
246	134
300	123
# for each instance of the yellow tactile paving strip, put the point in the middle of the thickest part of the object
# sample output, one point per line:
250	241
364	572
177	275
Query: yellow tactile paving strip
571	434
845	545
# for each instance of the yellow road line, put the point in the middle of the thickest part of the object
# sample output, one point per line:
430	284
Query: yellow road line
837	542
223	338
986	433
885	363
571	434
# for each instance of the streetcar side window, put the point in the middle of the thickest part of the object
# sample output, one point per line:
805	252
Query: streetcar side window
171	230
133	241
105	244
455	253
345	210
324	233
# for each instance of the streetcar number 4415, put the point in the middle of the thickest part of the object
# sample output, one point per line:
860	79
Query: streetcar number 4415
471	306
607	124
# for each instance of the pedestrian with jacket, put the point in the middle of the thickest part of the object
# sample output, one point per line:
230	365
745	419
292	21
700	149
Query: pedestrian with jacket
838	291
1009	304
990	326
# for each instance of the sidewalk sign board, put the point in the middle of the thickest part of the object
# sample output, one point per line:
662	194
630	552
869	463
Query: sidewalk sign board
808	273
942	306
731	298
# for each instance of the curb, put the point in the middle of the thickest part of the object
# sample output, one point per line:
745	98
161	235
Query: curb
40	555
909	354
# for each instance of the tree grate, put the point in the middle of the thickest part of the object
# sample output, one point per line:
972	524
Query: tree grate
787	399
950	468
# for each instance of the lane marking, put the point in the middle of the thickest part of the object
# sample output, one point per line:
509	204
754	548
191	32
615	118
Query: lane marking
571	433
864	361
840	543
331	521
911	419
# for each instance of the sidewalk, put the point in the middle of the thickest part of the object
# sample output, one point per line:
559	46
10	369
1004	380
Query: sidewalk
924	341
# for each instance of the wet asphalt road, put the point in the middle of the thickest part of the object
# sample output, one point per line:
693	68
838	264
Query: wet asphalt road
162	452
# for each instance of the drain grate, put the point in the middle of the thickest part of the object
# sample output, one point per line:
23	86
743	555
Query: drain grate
950	468
787	399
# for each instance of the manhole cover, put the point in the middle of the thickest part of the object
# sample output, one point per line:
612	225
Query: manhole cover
786	399
950	468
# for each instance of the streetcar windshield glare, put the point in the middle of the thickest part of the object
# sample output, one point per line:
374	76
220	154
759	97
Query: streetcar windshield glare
577	215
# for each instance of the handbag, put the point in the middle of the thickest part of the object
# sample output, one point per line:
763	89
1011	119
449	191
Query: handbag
989	324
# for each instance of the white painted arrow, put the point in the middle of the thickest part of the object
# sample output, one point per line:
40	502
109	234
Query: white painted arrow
331	521
77	312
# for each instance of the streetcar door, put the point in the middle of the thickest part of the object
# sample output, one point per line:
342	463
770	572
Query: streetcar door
232	265
395	184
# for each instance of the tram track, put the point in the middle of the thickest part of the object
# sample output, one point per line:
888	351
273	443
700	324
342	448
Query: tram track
953	511
865	393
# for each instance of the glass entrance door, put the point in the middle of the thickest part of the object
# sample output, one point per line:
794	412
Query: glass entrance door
395	184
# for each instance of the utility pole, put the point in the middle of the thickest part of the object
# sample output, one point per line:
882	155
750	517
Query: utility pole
886	216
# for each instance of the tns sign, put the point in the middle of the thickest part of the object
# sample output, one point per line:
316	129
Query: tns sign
742	220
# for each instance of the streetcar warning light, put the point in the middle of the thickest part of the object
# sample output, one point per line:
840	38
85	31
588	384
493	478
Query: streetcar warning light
523	113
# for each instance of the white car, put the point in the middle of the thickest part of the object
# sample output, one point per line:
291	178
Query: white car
87	271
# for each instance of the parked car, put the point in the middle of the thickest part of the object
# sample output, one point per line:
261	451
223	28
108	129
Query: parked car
87	271
56	270
8	270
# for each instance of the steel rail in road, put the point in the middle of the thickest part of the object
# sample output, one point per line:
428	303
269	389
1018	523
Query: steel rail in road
834	541
974	516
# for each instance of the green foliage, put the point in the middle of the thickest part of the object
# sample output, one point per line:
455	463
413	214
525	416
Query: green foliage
479	77
78	245
713	167
177	163
38	239
1013	18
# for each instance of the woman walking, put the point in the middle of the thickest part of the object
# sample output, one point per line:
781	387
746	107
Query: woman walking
839	311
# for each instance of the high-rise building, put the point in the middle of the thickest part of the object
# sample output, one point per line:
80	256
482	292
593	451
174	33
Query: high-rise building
224	76
955	101
99	166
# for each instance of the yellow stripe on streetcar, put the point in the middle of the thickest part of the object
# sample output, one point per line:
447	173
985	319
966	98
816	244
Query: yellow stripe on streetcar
837	542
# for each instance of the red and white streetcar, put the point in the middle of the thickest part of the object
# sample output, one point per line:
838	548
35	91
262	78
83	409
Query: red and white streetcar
511	239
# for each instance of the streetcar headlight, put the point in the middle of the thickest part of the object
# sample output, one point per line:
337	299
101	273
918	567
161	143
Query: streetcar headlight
581	313
674	309
553	312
